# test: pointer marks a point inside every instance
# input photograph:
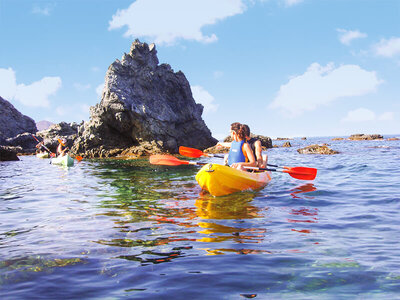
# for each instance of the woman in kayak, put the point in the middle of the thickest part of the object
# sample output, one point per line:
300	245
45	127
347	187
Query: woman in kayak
255	146
240	154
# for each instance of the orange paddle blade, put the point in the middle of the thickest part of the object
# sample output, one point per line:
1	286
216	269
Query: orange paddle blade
60	141
191	152
78	158
301	173
166	160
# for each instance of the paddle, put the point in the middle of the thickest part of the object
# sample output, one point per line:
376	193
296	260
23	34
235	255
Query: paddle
296	172
78	158
301	173
42	145
191	152
169	160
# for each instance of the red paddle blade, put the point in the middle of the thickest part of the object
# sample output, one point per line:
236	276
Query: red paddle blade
190	152
78	158
166	160
302	173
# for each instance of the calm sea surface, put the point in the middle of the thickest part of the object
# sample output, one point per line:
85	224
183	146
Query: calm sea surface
114	229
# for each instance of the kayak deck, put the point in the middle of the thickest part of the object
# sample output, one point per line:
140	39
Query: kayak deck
221	180
65	160
43	155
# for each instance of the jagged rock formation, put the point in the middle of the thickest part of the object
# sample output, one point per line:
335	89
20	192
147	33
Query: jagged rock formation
145	108
12	122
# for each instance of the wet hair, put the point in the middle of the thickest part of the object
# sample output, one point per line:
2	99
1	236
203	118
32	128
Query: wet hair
238	128
246	130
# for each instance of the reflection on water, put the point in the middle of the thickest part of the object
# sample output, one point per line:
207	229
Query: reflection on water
305	188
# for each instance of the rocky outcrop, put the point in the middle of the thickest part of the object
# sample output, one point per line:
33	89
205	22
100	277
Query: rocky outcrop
8	153
144	107
317	149
12	122
365	137
25	142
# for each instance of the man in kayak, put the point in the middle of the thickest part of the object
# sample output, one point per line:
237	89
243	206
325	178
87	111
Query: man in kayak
240	153
255	146
60	149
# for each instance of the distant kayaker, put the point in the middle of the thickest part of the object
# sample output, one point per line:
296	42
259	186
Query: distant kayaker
255	146
60	149
240	153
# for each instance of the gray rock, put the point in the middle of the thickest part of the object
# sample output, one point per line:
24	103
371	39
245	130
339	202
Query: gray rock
12	122
317	149
143	102
8	153
365	137
25	141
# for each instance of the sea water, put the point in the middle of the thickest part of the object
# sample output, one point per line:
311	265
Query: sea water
113	229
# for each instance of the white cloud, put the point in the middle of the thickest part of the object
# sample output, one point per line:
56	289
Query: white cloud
322	85
167	21
360	115
203	97
43	10
34	94
8	83
37	93
292	2
81	87
366	115
347	36
388	48
387	116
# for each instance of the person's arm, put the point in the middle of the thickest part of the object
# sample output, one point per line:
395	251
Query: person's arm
223	144
259	157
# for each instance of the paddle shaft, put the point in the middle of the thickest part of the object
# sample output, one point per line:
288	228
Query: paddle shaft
42	145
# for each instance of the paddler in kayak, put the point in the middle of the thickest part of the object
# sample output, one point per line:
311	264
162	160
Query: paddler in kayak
61	151
240	154
255	146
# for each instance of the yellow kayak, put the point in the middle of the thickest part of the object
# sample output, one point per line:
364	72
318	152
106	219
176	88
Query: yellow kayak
221	180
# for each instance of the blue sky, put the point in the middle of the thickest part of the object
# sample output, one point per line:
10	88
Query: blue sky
285	67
